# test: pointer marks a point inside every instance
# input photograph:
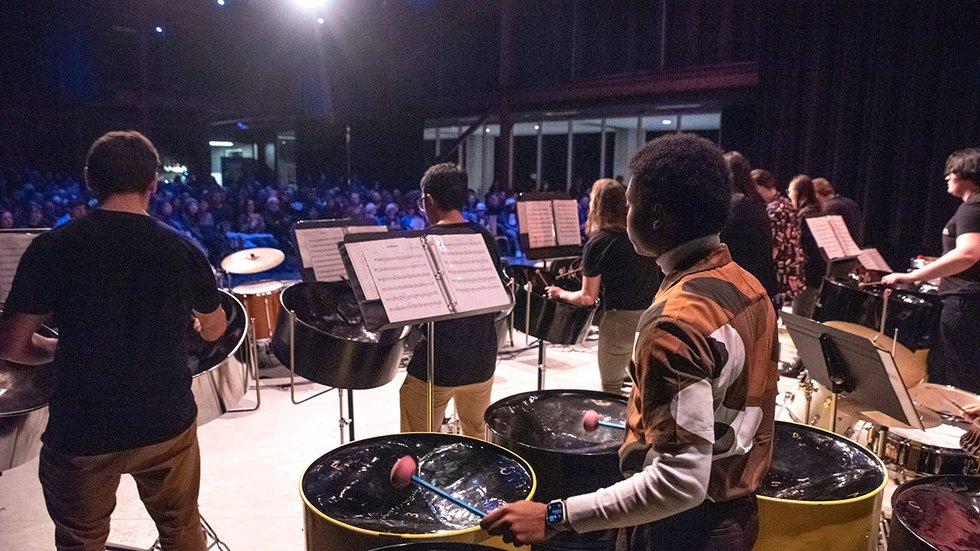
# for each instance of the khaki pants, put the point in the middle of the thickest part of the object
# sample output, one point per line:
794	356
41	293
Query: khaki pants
80	492
471	402
617	331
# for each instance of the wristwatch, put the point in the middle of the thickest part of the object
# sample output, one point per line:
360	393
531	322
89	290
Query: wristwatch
555	517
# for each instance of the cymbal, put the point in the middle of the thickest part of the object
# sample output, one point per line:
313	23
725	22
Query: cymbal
252	261
943	398
911	366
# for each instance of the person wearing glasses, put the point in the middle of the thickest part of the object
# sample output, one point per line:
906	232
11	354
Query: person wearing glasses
465	348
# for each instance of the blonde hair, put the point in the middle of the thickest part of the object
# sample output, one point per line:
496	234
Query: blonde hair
607	209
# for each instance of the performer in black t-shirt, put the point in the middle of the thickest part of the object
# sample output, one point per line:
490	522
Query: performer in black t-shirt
123	290
955	357
466	348
627	281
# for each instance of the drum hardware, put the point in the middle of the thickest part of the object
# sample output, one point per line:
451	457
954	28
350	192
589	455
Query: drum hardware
253	362
211	540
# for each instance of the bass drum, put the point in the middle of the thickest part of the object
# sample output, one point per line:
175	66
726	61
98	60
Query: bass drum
24	394
936	513
545	428
331	345
350	505
554	321
220	368
822	492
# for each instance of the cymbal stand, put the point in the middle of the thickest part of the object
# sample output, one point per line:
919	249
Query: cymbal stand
253	367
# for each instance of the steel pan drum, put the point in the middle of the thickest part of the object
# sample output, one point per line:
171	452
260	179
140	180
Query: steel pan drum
545	428
220	368
350	504
435	546
822	492
24	394
936	513
555	321
332	346
914	317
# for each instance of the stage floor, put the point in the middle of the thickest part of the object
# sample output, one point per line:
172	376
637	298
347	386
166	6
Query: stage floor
252	462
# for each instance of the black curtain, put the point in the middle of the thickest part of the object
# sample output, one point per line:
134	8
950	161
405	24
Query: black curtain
872	96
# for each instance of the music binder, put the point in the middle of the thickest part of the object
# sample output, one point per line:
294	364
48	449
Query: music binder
548	225
410	277
318	243
13	243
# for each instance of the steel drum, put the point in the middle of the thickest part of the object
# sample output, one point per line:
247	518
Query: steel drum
555	321
822	492
220	368
435	546
545	428
913	317
24	394
350	504
936	513
331	345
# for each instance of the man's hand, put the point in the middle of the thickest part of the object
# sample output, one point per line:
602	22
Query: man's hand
892	279
520	523
553	292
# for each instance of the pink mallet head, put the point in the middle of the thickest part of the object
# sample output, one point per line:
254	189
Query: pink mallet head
402	471
590	421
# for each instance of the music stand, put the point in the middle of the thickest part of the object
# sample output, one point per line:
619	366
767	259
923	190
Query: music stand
862	375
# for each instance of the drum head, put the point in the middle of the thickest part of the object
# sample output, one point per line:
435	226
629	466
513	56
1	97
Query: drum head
351	486
257	288
331	308
25	388
942	398
552	420
941	511
203	355
810	464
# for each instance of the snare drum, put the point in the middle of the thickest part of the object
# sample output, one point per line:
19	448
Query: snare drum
792	405
261	301
929	452
822	492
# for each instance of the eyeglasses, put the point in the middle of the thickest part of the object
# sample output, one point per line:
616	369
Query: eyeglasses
421	203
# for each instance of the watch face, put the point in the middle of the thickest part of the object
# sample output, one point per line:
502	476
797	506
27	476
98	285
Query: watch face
554	513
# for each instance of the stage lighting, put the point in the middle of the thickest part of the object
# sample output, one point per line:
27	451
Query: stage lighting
221	2
320	20
666	122
311	5
158	29
218	143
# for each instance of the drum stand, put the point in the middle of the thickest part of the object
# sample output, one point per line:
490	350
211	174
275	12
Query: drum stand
211	539
253	364
344	421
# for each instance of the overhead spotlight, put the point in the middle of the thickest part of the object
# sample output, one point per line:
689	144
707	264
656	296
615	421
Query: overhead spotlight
537	127
666	122
221	2
310	5
487	130
219	143
319	20
158	29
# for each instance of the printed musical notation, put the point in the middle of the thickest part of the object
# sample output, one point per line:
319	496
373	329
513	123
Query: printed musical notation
871	259
566	222
404	278
12	247
469	273
831	235
537	220
319	249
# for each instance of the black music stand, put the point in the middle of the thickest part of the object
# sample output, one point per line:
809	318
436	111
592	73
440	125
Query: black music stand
862	375
373	304
557	250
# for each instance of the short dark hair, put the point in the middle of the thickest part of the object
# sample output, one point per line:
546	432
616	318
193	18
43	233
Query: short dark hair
121	162
446	184
741	172
763	178
688	176
965	164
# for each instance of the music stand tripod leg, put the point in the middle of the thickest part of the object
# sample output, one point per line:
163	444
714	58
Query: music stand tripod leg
430	371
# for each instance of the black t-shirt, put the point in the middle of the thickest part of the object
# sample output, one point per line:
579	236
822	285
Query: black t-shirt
965	220
121	287
466	348
629	280
748	235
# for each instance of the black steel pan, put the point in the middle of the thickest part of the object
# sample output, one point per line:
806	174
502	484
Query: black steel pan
936	513
914	317
555	321
24	394
332	347
350	504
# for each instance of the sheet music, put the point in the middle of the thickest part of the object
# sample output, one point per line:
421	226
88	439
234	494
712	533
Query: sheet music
366	229
843	235
825	237
12	247
357	259
404	278
871	259
468	271
538	223
318	250
566	222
